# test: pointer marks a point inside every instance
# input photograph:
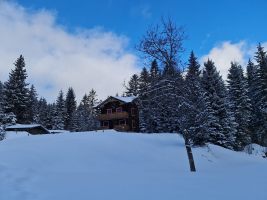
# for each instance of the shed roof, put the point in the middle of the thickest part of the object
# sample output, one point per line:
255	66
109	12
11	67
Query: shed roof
26	127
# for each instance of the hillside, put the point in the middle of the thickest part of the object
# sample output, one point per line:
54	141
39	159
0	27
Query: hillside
124	166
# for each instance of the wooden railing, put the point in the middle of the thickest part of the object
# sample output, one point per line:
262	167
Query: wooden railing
117	115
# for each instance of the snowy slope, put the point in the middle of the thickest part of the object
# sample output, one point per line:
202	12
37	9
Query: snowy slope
123	166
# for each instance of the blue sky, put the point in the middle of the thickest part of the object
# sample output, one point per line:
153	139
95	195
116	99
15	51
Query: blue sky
207	22
90	44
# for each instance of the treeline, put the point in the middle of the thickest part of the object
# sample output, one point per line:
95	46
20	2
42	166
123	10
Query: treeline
19	103
201	105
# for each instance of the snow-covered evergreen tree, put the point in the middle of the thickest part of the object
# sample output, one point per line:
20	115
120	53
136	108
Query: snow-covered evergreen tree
261	84
71	105
1	97
6	120
154	71
32	107
253	93
16	92
196	117
215	93
133	86
59	115
144	80
50	116
239	104
85	115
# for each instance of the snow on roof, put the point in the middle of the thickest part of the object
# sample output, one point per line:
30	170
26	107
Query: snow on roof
125	99
24	126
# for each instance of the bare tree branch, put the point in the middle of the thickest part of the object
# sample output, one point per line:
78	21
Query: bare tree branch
163	42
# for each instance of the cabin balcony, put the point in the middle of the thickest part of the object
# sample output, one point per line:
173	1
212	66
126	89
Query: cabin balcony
111	116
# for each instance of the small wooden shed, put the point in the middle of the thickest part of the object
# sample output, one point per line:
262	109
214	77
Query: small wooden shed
33	129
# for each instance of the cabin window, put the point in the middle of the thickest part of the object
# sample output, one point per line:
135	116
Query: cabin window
119	109
133	111
106	123
122	122
109	111
133	124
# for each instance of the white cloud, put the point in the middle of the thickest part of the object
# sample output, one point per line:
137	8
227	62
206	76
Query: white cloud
57	59
226	52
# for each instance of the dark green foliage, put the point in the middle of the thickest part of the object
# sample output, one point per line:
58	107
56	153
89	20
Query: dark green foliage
260	84
85	115
1	97
144	80
32	107
133	86
195	112
154	72
239	105
16	92
215	93
59	112
70	105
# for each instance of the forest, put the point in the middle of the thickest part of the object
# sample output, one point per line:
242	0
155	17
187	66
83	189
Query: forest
193	100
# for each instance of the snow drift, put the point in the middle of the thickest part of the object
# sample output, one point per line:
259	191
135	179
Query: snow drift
124	166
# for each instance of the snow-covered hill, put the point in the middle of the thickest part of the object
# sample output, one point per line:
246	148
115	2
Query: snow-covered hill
124	166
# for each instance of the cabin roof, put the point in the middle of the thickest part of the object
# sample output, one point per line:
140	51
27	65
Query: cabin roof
27	127
122	99
125	99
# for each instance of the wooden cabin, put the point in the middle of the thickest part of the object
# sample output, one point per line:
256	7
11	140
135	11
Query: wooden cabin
119	113
34	129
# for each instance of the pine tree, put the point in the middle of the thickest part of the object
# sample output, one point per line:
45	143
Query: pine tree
195	113
16	92
32	107
42	111
59	113
154	71
240	105
132	87
193	67
253	93
71	105
85	115
1	97
261	59
144	80
215	93
50	116
92	102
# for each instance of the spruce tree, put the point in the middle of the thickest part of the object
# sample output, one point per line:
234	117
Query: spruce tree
239	104
253	93
16	92
195	114
143	80
71	105
215	93
154	71
85	115
132	87
261	59
1	97
59	112
32	107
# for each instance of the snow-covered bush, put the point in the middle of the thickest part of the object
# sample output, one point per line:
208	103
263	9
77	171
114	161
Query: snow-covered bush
6	120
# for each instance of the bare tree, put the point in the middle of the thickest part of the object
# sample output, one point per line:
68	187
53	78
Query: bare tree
163	42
